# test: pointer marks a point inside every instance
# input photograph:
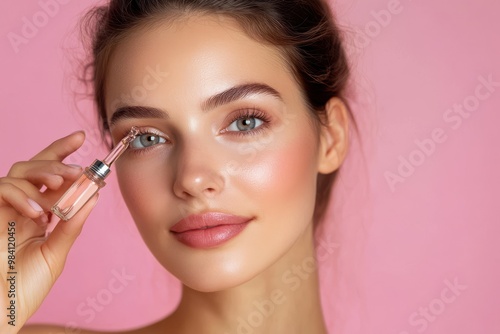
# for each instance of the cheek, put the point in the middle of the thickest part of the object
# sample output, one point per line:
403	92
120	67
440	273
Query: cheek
278	186
282	179
143	187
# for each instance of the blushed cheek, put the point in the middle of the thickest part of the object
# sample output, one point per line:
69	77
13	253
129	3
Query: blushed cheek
143	187
284	176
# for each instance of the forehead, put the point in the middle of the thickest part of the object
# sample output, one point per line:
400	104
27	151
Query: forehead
196	56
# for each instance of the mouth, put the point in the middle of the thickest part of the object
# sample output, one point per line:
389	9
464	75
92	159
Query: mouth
208	230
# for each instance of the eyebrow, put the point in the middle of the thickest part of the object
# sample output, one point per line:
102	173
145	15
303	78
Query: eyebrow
238	93
230	95
136	112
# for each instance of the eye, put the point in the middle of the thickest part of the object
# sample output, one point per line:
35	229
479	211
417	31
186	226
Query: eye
247	121
147	139
245	124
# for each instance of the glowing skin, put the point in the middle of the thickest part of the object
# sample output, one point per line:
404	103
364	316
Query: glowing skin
203	165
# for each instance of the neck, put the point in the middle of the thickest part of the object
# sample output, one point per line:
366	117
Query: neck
282	299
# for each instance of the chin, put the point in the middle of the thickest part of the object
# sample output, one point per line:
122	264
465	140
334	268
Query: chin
215	285
214	281
213	271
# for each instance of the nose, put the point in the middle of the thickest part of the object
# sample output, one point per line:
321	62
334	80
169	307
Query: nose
198	175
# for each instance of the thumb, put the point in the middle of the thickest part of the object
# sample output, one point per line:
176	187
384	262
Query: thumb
62	238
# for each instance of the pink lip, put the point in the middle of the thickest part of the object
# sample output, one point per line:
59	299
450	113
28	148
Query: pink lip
209	229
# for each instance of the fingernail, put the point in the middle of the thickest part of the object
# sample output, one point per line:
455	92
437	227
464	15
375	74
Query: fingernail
44	219
35	205
75	166
78	131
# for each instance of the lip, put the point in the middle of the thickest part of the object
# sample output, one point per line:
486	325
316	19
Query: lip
208	230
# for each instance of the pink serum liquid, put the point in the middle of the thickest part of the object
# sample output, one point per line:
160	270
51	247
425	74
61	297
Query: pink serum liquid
89	183
78	195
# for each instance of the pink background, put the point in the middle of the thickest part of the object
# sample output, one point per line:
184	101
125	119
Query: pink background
398	248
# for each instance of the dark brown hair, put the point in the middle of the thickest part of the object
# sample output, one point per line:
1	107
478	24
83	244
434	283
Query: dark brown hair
303	29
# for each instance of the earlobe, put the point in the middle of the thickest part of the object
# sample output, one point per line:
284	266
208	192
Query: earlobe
334	136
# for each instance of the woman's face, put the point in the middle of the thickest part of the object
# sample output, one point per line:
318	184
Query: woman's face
251	151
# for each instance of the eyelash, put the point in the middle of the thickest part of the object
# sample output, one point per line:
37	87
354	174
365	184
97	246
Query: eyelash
146	131
250	113
150	131
242	114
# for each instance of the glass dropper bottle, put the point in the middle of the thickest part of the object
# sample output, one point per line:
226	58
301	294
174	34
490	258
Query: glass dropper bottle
91	180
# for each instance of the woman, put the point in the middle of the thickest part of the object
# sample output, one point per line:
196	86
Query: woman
242	123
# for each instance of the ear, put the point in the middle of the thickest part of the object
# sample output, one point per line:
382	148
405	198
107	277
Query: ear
334	136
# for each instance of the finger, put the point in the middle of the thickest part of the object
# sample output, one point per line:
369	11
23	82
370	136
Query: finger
61	148
52	182
43	172
31	191
12	196
62	238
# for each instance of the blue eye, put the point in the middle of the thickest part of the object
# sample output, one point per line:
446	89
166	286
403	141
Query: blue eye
245	124
248	122
146	140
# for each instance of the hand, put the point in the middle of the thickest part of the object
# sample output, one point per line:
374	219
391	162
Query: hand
24	215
